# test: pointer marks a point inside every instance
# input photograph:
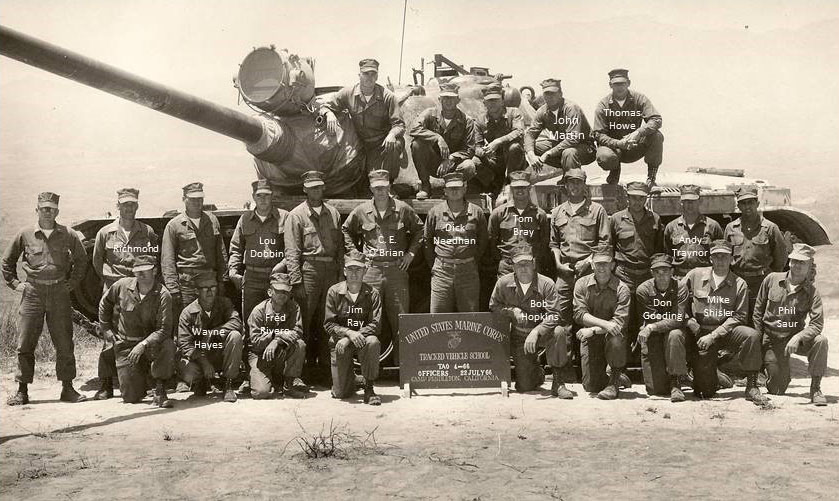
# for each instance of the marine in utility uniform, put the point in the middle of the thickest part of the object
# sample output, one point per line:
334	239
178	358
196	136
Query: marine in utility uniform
579	227
443	140
353	312
115	249
192	244
314	247
375	114
661	306
529	300
455	240
627	128
499	150
560	135
788	314
389	232
209	339
54	261
759	246
276	351
687	239
518	221
717	320
601	309
135	315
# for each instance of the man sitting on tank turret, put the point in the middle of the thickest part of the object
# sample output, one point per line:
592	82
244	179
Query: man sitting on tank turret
626	127
444	140
375	114
560	135
502	130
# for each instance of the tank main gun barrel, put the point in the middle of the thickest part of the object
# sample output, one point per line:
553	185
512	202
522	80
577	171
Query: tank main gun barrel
87	71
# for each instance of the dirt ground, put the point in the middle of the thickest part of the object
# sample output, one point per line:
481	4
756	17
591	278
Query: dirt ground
471	445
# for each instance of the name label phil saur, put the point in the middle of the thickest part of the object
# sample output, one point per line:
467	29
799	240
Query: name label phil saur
454	350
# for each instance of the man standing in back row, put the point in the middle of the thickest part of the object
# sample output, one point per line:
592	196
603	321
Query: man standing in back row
375	114
54	261
626	127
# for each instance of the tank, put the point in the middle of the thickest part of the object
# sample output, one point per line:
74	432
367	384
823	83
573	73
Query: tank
286	138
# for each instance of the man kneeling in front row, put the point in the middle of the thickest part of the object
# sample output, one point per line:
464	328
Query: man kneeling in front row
530	301
783	301
352	314
277	350
135	315
209	336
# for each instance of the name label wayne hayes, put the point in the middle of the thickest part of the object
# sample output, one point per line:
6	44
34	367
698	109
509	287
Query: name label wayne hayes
454	350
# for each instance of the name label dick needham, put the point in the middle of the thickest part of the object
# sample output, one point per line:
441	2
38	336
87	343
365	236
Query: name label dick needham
454	350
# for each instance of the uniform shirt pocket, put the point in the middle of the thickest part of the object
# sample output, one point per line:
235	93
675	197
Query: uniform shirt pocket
588	228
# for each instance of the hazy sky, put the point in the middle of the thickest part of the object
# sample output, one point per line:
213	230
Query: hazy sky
752	85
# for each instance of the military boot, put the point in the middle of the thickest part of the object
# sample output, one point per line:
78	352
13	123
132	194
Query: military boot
651	174
370	396
160	399
21	397
69	394
611	391
295	388
676	393
816	395
229	393
614	176
106	389
753	393
724	380
558	388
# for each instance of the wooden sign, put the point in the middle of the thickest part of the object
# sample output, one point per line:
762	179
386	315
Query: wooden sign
454	350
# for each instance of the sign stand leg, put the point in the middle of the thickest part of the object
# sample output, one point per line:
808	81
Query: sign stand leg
505	389
406	390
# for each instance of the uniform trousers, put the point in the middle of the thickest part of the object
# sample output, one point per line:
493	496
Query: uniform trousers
494	167
743	340
285	367
228	359
318	277
341	356
529	372
392	284
53	302
651	149
159	357
106	365
455	287
596	350
776	360
632	277
569	158
427	158
664	354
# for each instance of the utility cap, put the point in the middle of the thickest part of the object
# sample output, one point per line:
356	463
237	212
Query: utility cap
721	247
551	85
262	186
575	174
619	75
128	195
601	256
449	89
522	252
143	262
689	192
519	178
661	260
281	282
493	91
206	279
454	180
802	252
637	188
746	192
312	178
379	177
355	258
194	190
368	65
48	199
